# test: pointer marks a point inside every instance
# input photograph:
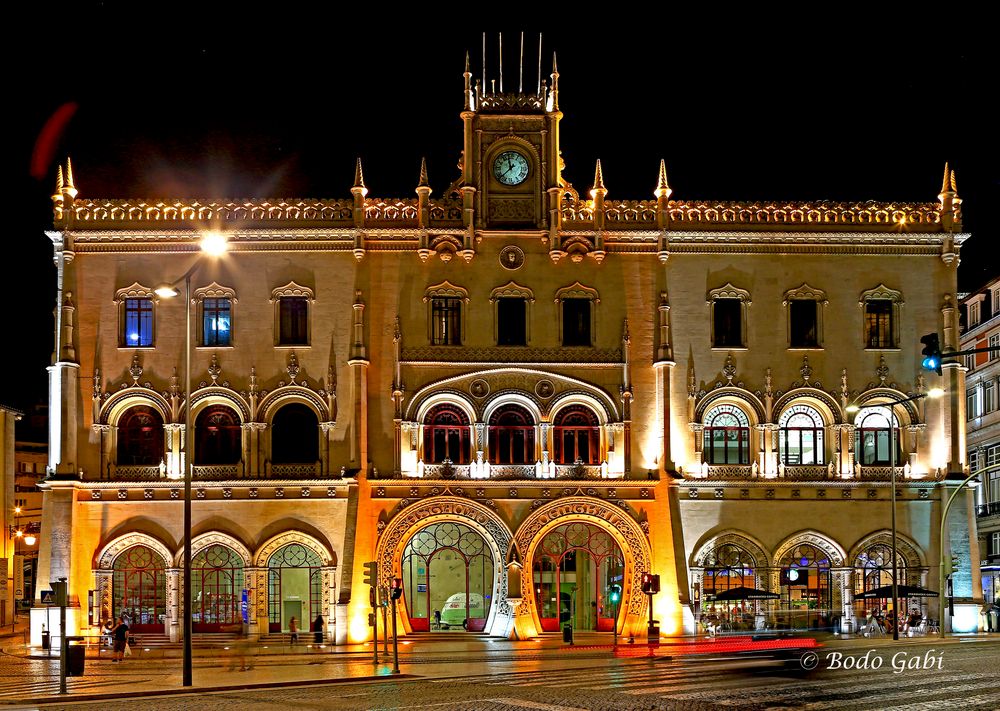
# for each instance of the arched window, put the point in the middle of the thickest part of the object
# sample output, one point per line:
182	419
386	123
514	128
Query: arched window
728	567
800	435
727	436
140	437
216	588
872	435
806	587
139	589
294	435
218	436
446	435
294	587
576	436
512	436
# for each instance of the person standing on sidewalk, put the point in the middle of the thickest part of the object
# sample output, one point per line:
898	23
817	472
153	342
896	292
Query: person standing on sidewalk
293	630
120	633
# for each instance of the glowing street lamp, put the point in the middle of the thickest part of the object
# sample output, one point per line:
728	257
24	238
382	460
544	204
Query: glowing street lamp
212	244
932	393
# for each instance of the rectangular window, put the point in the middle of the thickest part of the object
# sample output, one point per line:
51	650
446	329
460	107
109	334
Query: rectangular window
446	314
138	323
973	314
216	321
989	396
511	322
576	322
995	543
802	318
973	460
293	321
971	404
996	301
970	361
992	456
728	323
993	489
994	342
878	324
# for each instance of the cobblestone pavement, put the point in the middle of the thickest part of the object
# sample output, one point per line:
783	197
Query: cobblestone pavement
956	675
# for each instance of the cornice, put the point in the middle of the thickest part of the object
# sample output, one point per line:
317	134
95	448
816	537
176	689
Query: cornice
213	484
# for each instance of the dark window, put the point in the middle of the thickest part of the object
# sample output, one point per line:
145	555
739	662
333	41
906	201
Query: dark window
446	435
576	436
295	435
576	322
219	436
878	324
216	320
872	439
512	436
726	436
446	314
511	322
728	315
138	323
140	437
804	331
293	320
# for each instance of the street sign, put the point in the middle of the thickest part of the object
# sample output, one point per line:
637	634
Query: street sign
48	597
245	606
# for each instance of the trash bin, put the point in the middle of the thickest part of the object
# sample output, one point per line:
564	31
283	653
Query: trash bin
46	643
568	633
75	651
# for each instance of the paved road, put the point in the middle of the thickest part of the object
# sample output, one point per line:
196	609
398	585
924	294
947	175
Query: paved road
963	675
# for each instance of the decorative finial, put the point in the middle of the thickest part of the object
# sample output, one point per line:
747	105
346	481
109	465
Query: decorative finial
423	174
135	370
954	186
59	179
555	65
466	61
214	369
359	178
768	383
692	382
598	180
729	369
662	188
947	178
806	370
293	367
70	188
252	382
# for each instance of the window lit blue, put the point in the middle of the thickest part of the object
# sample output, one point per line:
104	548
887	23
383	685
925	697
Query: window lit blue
216	321
138	322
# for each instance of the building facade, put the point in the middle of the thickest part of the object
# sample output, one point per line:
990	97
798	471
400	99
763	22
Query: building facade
982	330
512	397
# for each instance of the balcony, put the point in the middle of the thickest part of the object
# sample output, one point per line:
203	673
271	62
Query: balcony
986	510
220	472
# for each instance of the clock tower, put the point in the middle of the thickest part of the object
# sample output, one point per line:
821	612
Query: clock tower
511	172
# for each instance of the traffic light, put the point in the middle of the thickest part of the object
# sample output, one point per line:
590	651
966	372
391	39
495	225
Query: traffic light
650	583
371	573
931	352
615	594
397	588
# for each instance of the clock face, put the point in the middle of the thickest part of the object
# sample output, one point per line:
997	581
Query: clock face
510	168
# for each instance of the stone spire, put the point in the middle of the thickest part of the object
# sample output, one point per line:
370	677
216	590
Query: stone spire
951	212
554	86
662	187
598	181
423	174
359	179
69	189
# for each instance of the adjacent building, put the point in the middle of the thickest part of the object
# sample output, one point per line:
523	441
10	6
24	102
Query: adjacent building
512	396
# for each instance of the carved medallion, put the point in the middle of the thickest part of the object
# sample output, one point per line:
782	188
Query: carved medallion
544	389
511	257
479	388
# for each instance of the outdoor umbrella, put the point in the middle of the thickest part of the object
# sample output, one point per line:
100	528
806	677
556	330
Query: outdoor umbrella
743	593
885	592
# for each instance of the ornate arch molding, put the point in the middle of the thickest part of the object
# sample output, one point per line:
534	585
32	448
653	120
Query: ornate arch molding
446	290
805	293
905	546
111	550
834	552
213	291
292	289
516	397
218	395
729	292
827	405
882	293
512	290
410	520
735	396
577	397
608	517
279	397
577	290
736	538
136	291
887	397
449	396
264	553
210	538
120	402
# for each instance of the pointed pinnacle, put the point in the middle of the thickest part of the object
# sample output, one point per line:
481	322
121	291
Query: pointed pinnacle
954	186
359	176
662	187
598	176
555	65
947	174
59	180
423	174
70	187
467	61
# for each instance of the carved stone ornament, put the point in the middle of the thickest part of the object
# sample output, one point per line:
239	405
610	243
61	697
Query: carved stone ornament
293	367
511	257
479	388
544	389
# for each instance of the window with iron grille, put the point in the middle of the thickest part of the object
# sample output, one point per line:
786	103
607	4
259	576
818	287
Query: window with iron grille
138	323
446	317
216	322
293	321
878	324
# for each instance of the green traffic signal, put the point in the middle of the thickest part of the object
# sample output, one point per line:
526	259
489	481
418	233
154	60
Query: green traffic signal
931	352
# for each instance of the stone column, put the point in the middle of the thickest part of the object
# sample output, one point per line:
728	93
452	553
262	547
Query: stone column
840	579
545	428
255	580
329	605
697	430
173	625
326	438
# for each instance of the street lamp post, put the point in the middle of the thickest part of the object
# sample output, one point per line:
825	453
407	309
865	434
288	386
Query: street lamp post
932	393
213	244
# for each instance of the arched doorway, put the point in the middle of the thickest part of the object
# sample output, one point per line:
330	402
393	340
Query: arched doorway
139	589
573	569
729	566
216	588
806	588
140	437
295	435
294	587
219	436
447	571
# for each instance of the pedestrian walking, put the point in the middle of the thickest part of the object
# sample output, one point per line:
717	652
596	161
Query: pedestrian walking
317	628
120	633
293	629
241	649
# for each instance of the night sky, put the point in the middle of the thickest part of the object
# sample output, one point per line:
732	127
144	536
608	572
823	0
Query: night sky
742	108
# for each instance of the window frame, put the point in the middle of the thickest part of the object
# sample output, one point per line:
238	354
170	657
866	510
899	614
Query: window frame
818	433
881	293
446	290
893	419
576	292
135	292
496	432
512	290
215	291
805	293
592	429
432	424
993	341
744	437
292	290
743	297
